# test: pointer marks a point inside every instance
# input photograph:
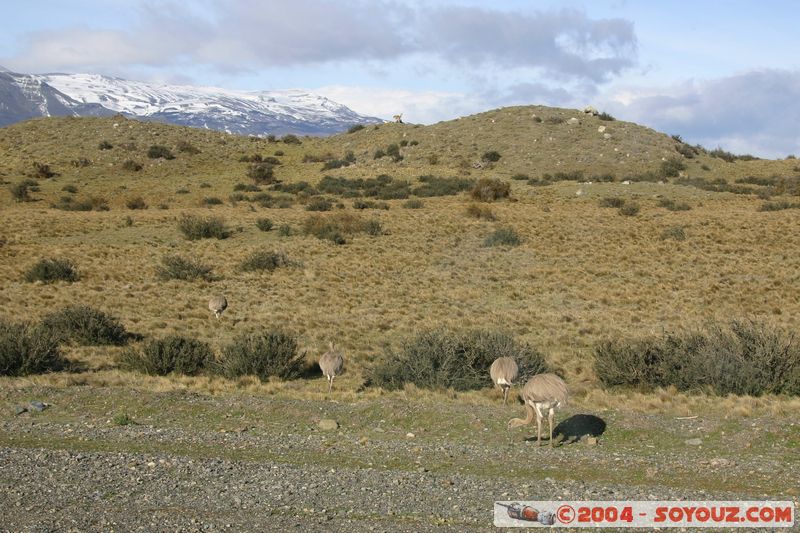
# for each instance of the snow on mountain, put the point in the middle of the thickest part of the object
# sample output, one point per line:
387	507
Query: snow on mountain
261	112
24	96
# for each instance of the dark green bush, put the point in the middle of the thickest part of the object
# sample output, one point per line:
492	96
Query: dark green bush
605	116
502	237
131	165
72	189
50	270
743	357
136	202
176	267
383	187
489	190
262	354
355	128
291	139
393	151
368	204
440	360
261	173
672	167
778	206
105	145
264	260
264	224
25	349
159	357
612	201
86	326
212	200
491	156
414	204
20	192
630	209
379	153
436	186
319	204
159	152
246	187
92	203
520	177
195	228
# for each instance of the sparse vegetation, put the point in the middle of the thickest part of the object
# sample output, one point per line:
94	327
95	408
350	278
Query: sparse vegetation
612	201
778	206
437	186
159	152
503	237
319	204
481	212
177	267
672	167
172	354
672	205
86	326
137	202
27	349
50	270
195	227
630	209
261	173
355	128
131	165
262	354
264	260
489	190
676	233
264	224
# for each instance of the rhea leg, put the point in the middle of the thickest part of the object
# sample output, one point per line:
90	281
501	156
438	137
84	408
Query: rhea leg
550	417
505	395
538	428
330	384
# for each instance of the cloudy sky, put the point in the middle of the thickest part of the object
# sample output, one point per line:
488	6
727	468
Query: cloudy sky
720	73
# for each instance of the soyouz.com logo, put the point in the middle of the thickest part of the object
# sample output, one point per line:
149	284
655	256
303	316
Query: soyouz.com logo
703	514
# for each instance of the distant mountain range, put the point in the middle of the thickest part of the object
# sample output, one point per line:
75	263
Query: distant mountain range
25	96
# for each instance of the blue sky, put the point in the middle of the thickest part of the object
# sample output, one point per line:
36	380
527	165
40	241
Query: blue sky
719	73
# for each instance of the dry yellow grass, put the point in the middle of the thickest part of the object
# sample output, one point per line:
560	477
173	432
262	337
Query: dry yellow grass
582	273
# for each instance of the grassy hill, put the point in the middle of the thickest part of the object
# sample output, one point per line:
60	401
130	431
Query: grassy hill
695	247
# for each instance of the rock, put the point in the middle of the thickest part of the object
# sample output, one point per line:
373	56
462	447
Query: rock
601	129
573	120
410	435
606	136
18	410
36	405
693	442
591	441
589	110
328	424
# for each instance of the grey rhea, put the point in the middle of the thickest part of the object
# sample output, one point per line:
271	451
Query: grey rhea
331	363
542	392
504	371
217	305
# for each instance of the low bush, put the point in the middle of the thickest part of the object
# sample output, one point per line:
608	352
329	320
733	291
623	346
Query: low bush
630	209
443	360
212	200
436	186
86	326
81	162
778	206
264	224
414	204
159	152
72	189
520	177
672	205
51	270
742	357
25	349
262	354
481	212
92	203
612	201
319	204
368	204
172	354
105	145
136	203
489	190
337	227
186	147
491	156
261	173
42	171
502	237
246	187
291	139
264	260
131	165
355	128
605	116
676	233
672	167
195	228
20	192
176	267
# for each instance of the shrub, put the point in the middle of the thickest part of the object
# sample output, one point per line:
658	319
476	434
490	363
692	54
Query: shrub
291	139
312	158
393	151
187	148
262	354
742	357
131	165
105	145
383	187
255	158
80	162
554	120
195	228
439	360
489	190
481	212
355	128
159	357
605	116
279	153
675	232
299	187
182	190
686	150
672	205
25	349
159	152
433	159
778	206
403	143
436	186
176	267
72	189
264	224
92	203
520	177
261	173
246	187
379	153
672	167
491	156
414	204
20	192
368	204
319	204
50	270
373	227
136	203
612	201
334	227
284	230
42	171
212	200
602	178
502	237
261	260
630	209
86	326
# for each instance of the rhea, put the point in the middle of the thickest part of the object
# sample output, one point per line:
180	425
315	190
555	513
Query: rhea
543	392
331	364
217	305
504	371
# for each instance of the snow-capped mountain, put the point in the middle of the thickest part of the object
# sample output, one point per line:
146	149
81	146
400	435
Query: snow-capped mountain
253	113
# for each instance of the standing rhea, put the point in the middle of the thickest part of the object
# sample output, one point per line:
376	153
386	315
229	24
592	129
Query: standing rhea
542	391
331	364
504	371
217	305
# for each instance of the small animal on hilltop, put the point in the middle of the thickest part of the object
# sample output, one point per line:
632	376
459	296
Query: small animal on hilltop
398	118
217	305
504	371
542	392
331	363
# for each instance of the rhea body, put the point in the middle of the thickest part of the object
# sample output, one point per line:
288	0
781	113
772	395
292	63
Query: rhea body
542	393
217	305
331	363
504	372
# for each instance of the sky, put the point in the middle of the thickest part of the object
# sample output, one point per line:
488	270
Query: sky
719	73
